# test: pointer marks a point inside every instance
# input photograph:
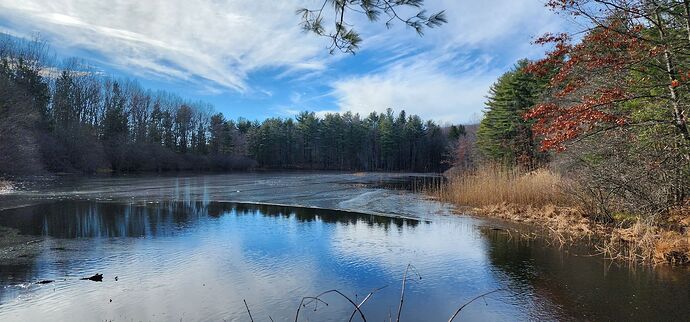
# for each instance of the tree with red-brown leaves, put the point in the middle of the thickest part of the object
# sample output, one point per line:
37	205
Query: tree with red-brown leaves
626	71
618	101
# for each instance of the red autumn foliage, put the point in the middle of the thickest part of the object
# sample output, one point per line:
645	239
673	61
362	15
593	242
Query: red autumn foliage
590	79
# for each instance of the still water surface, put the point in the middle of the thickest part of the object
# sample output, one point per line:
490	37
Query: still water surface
194	259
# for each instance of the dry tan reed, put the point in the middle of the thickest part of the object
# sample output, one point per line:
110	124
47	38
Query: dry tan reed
539	198
493	184
647	243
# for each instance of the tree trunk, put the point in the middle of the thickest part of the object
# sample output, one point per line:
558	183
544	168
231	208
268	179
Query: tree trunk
679	118
686	6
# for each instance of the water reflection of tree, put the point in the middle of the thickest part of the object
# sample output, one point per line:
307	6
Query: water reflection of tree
88	219
304	214
553	282
91	219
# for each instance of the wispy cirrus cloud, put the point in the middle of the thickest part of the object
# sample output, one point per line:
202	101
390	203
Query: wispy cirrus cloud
419	86
216	42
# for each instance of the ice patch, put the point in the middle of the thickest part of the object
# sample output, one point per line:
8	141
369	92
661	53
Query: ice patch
5	187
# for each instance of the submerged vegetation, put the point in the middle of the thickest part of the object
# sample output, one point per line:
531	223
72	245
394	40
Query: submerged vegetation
411	274
589	144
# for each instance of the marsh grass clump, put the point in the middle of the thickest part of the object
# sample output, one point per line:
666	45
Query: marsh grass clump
496	184
545	199
647	242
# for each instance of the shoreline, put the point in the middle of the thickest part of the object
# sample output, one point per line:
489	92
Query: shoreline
545	199
16	248
635	242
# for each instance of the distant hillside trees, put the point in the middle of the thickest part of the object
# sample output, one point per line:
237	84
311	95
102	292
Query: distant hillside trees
72	119
348	141
24	99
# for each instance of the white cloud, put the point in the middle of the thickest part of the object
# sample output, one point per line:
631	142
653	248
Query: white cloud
511	22
215	45
475	25
446	74
216	41
419	86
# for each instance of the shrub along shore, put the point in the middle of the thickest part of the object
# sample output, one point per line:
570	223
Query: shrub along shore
544	199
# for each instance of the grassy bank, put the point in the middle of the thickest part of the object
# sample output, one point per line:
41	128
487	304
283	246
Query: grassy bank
543	198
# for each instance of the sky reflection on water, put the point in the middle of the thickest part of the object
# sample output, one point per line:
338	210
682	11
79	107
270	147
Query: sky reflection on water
198	260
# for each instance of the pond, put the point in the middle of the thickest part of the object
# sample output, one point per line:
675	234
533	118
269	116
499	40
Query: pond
196	247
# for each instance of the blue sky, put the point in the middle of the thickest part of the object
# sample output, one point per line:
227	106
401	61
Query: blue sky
249	57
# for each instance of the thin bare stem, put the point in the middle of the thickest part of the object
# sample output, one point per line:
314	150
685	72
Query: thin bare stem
364	301
248	311
402	291
472	300
317	298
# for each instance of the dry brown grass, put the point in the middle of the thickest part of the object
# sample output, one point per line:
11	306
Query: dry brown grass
539	198
564	224
672	247
534	197
647	243
492	185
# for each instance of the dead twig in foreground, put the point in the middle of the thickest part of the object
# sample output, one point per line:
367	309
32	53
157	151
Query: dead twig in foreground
248	311
402	291
364	300
472	300
317	299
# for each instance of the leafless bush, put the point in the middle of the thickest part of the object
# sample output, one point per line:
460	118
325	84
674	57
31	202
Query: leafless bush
5	186
618	173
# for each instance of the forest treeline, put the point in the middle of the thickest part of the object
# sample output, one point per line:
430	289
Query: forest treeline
73	119
606	111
